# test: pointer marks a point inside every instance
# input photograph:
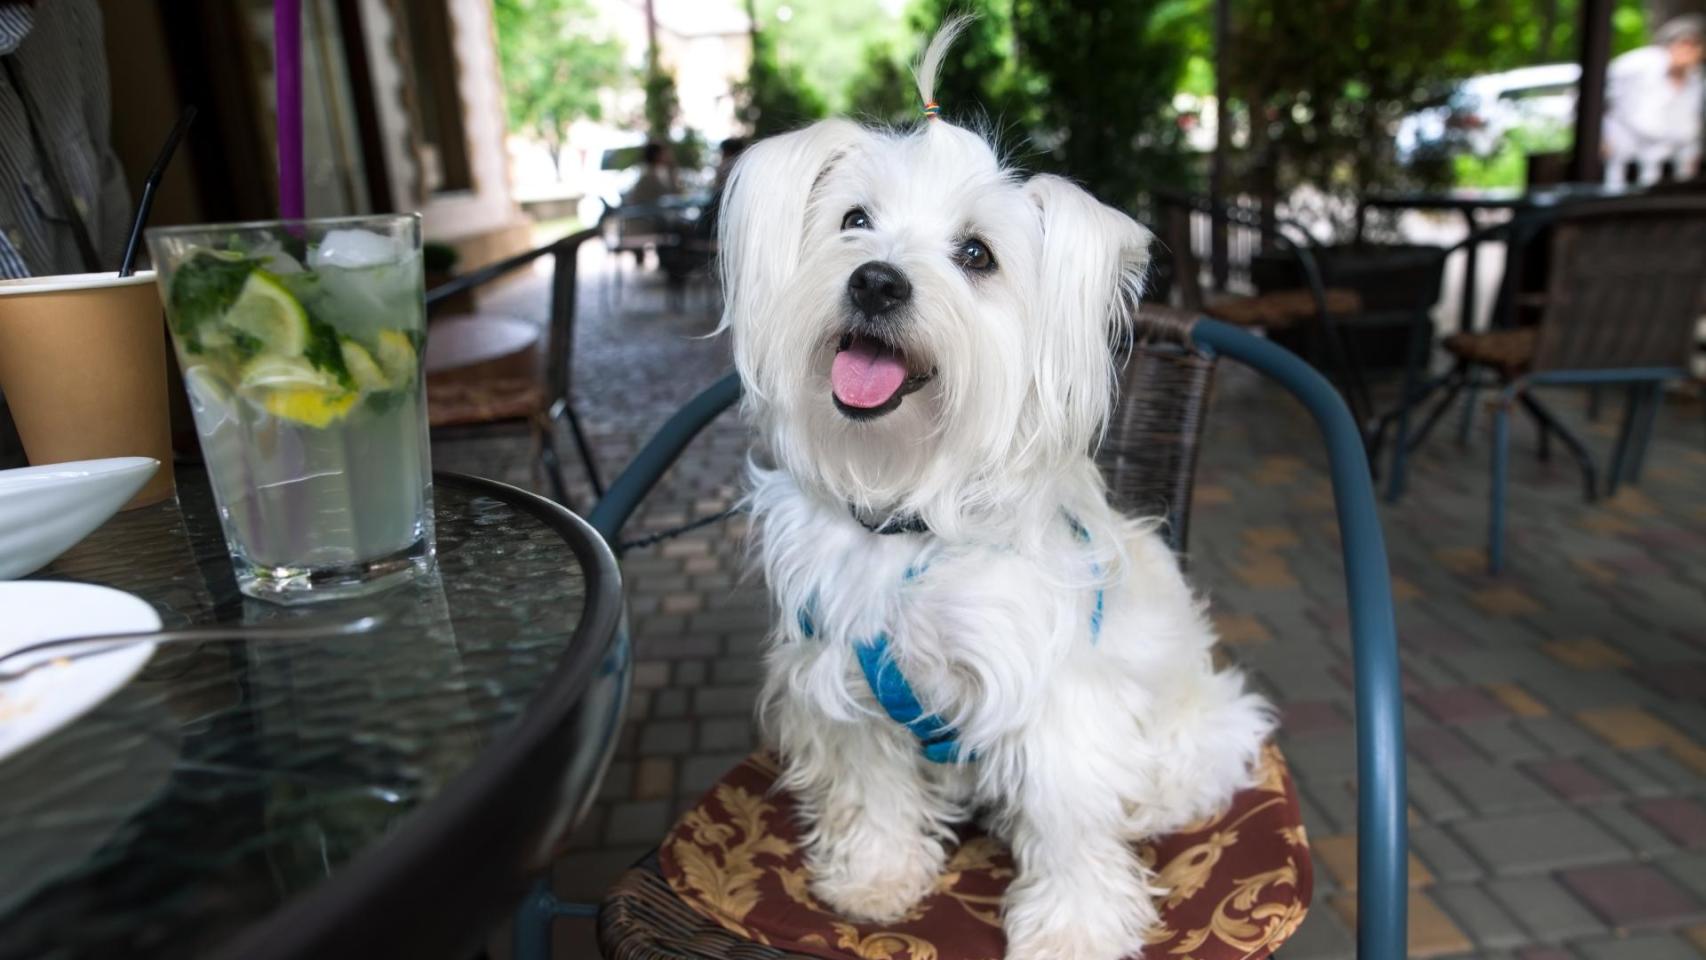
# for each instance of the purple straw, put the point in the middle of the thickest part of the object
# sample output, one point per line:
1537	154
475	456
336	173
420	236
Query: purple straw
287	71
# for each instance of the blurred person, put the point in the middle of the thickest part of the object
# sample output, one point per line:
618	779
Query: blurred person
657	178
64	206
728	153
657	181
1654	97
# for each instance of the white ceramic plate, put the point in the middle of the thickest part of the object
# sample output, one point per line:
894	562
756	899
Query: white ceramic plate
44	700
45	510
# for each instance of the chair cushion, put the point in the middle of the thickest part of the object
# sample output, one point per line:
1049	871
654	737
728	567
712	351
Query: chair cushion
1239	884
1281	308
1511	351
452	402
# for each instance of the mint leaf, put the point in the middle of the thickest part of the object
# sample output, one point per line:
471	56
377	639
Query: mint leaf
203	288
323	351
246	345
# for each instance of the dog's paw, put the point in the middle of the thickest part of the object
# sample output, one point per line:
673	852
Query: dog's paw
883	896
1043	925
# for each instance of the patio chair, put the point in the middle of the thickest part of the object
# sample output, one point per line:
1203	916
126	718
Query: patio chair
645	917
1625	289
1319	312
539	398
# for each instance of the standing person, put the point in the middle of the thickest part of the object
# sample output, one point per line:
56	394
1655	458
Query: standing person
64	207
1653	102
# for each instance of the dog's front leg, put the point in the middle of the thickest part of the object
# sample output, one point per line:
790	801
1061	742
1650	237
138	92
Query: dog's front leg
875	840
1081	893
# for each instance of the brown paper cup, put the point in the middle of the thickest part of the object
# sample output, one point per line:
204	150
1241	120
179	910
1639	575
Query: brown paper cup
83	368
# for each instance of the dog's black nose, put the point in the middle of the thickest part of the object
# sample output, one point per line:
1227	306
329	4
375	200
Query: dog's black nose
877	288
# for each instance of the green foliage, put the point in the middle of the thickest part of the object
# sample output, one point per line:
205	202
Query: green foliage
826	41
556	67
775	96
1322	86
662	104
882	90
1325	83
1102	74
979	80
1082	88
1315	87
324	352
204	287
1508	166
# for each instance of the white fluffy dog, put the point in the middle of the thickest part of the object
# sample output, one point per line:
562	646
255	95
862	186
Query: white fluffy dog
924	338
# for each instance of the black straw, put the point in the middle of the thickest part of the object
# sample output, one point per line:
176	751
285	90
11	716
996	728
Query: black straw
128	267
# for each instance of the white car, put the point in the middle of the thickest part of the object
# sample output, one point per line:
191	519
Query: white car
1482	110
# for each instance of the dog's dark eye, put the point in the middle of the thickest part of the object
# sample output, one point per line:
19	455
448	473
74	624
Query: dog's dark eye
856	219
974	254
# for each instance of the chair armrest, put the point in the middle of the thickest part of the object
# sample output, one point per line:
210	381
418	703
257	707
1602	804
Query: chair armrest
1382	836
648	466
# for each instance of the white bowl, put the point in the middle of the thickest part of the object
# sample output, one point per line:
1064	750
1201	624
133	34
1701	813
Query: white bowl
45	510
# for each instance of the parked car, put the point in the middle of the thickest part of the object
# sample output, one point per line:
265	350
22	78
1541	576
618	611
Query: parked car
1478	114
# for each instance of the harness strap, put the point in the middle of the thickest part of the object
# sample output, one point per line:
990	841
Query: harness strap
937	740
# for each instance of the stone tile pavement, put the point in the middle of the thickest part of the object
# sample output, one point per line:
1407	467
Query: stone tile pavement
1556	714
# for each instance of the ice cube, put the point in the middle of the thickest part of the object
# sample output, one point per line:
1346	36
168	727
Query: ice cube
353	248
276	260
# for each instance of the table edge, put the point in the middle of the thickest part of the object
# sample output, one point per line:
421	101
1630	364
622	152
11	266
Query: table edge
299	926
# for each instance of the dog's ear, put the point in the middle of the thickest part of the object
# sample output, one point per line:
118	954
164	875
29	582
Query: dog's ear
1092	266
762	213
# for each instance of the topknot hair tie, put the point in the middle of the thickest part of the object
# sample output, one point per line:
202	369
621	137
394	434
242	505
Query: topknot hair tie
931	110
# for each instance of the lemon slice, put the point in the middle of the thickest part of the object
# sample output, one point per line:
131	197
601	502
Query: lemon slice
308	406
396	356
268	312
284	373
362	367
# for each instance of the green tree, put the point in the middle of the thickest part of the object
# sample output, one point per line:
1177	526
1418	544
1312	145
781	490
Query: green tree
978	81
1322	85
825	41
775	97
556	66
662	103
1102	74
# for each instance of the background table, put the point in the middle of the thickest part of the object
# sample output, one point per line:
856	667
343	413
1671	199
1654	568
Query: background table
1470	203
387	793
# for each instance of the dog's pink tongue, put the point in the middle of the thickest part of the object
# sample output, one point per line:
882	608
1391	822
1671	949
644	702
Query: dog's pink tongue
867	373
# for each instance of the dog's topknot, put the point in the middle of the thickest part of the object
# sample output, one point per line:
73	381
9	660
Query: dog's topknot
930	64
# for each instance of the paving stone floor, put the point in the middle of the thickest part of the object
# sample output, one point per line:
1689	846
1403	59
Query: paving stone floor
1556	714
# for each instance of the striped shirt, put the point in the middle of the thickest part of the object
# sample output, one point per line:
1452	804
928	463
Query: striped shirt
57	51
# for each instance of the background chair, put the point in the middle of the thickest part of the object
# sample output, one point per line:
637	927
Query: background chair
1625	290
1312	315
643	919
538	396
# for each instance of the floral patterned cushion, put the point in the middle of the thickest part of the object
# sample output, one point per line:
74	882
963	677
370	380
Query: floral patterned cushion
1240	883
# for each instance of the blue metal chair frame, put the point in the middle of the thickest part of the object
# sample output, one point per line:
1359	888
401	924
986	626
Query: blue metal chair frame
1383	840
1644	396
1644	383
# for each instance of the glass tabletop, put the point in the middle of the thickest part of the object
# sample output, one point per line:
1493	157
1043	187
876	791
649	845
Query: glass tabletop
230	777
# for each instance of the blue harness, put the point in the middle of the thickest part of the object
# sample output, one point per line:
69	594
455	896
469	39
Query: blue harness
936	739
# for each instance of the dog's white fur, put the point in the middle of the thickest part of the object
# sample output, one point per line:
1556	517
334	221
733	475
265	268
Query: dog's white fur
1081	744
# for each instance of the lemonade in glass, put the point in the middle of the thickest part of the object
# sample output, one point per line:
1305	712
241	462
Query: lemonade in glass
300	344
